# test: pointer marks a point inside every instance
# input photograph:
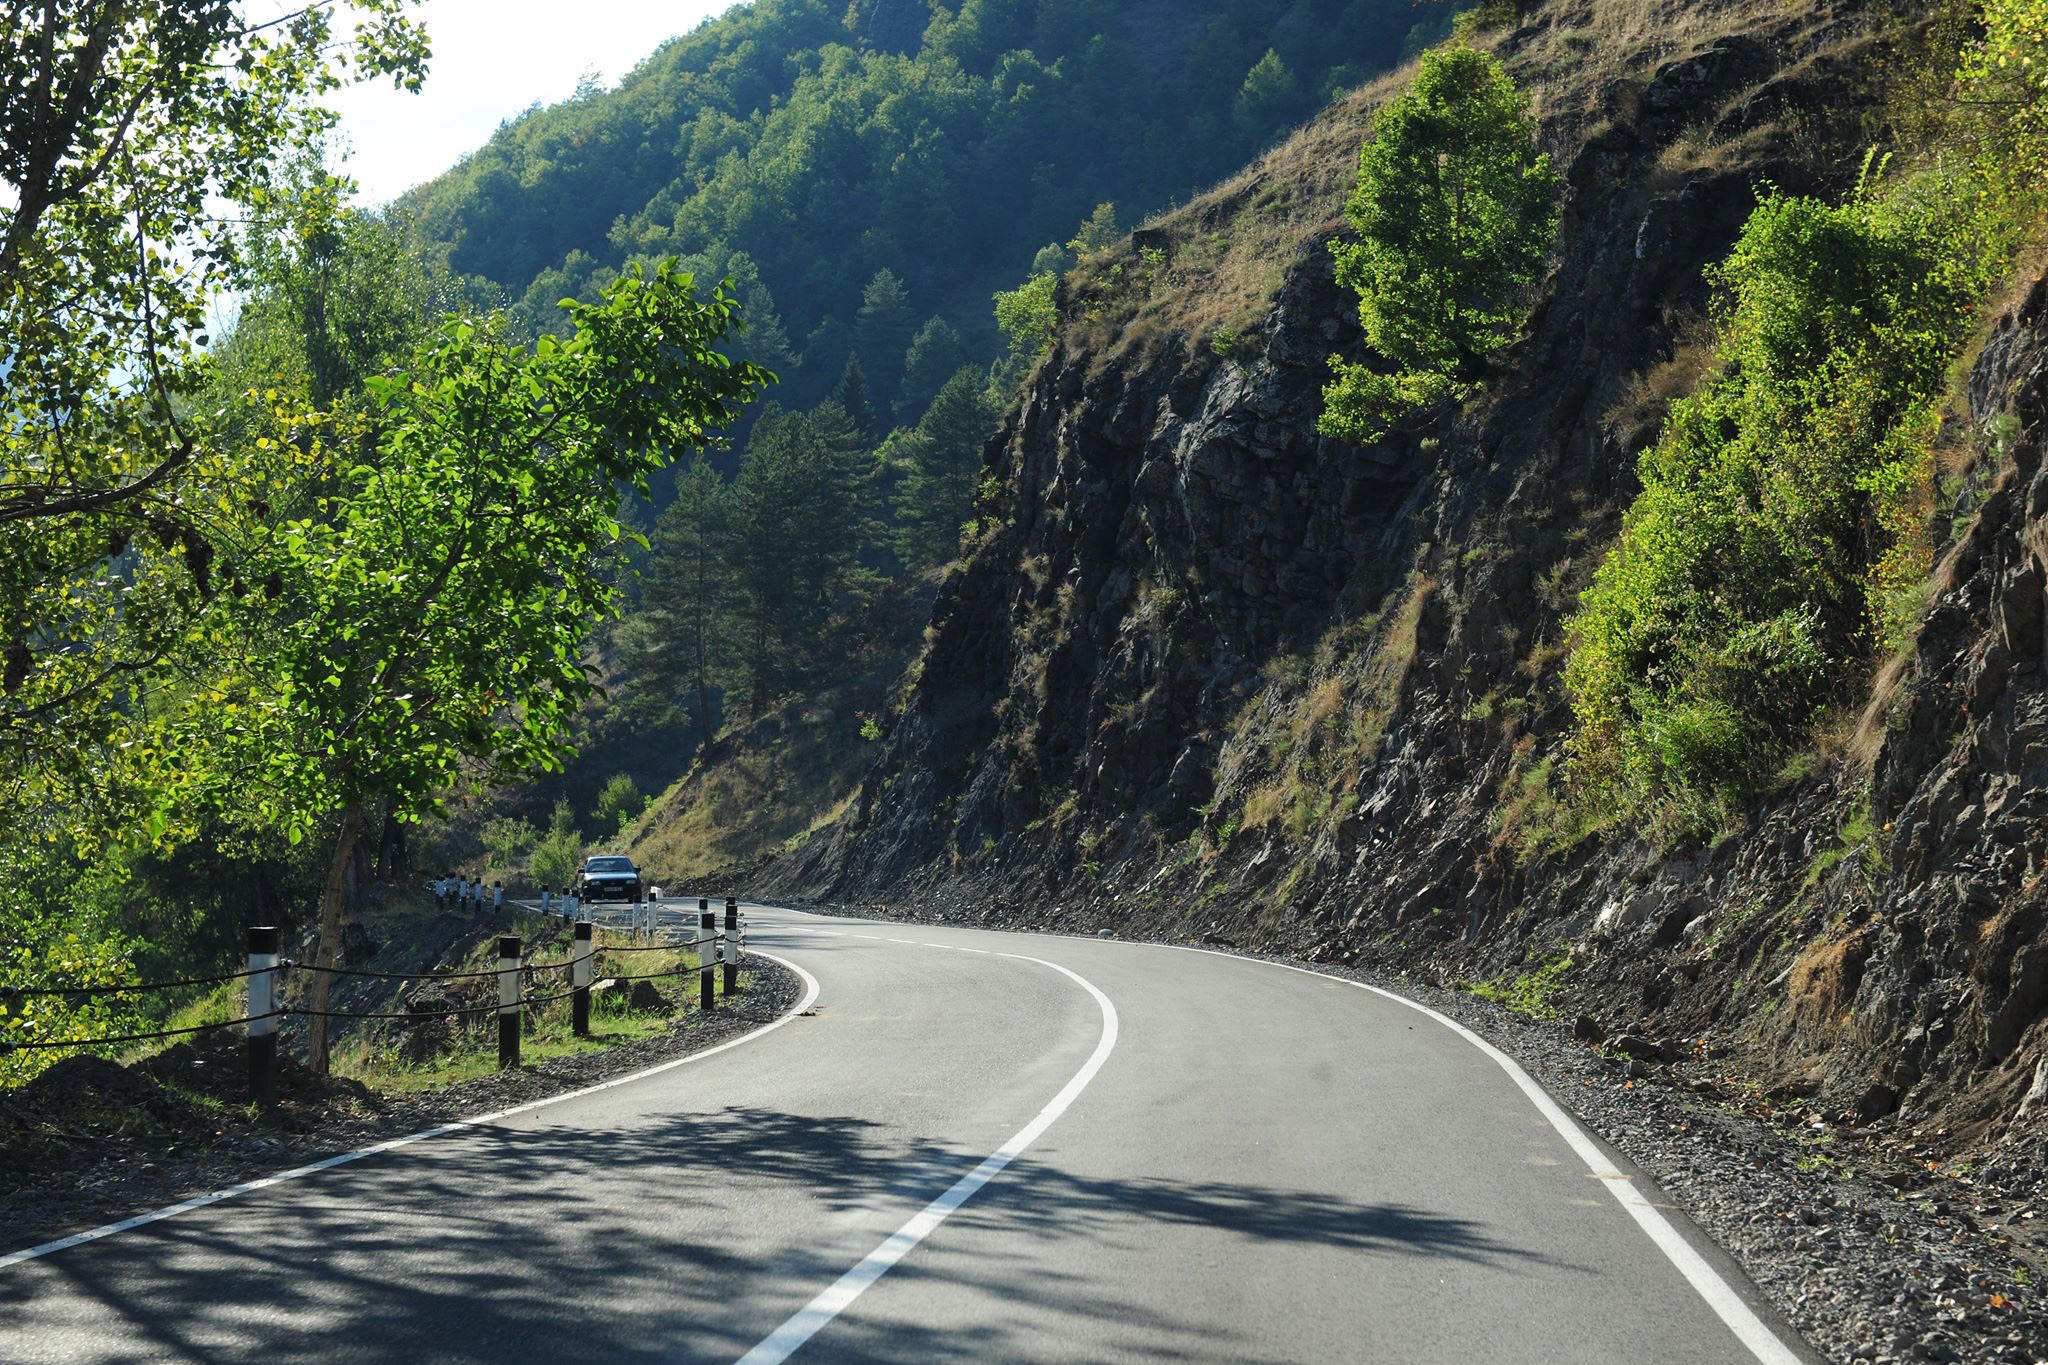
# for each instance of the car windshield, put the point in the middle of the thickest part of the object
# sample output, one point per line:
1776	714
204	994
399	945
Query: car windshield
609	865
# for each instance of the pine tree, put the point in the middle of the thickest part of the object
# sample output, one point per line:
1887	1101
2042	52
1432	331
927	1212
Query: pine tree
934	354
690	593
942	458
1270	96
851	395
795	541
882	333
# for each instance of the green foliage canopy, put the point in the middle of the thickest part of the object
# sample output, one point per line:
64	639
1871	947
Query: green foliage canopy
941	459
1455	210
828	141
1776	514
120	127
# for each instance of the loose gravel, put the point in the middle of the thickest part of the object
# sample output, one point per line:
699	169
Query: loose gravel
1877	1253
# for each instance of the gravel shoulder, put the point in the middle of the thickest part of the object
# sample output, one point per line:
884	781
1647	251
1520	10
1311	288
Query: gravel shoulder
106	1142
1878	1254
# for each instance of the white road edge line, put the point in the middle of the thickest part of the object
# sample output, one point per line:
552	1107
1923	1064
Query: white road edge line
1752	1331
805	1323
342	1159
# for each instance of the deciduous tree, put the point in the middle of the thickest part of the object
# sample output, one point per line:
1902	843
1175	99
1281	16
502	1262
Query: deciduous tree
121	126
1455	210
431	614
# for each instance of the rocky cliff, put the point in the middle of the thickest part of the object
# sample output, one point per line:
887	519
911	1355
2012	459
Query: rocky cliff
1214	676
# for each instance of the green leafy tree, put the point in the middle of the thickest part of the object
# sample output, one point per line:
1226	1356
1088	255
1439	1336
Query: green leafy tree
1455	211
2003	80
1098	233
941	459
1029	318
620	803
54	934
121	127
505	840
558	854
429	627
1052	259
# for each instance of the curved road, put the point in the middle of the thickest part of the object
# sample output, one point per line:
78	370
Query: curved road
974	1146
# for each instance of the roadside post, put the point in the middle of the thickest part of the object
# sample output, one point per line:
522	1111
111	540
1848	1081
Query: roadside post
730	950
263	940
545	908
508	1002
579	981
707	938
498	897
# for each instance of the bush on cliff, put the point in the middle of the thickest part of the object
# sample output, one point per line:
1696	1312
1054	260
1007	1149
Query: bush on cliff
1455	210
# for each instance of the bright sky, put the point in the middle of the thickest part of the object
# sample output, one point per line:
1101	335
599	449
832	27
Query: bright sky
493	58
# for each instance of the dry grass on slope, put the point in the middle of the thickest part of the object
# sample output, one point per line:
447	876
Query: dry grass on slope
773	784
1208	270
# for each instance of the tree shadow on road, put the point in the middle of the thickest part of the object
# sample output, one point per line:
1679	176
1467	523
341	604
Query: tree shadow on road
686	1235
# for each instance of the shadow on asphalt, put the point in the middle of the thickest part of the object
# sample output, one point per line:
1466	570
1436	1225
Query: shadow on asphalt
571	1243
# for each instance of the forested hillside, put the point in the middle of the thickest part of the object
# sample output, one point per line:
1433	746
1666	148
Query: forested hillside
868	172
894	189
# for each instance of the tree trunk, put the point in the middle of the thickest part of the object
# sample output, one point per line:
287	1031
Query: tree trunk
703	718
330	935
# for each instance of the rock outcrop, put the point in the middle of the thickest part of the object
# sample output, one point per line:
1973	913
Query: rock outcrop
1216	676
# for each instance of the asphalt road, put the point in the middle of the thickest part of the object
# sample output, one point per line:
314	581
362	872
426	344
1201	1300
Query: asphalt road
976	1146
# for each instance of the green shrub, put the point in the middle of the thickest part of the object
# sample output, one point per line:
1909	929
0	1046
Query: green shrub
559	853
1780	512
620	803
505	839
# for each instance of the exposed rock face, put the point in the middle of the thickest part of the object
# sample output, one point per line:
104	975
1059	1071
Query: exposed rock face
1100	727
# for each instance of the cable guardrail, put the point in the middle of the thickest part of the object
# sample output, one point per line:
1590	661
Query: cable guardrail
137	988
47	1044
715	946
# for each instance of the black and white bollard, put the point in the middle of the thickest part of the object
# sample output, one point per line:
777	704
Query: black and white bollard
262	1006
498	897
508	1002
707	947
579	981
545	907
730	949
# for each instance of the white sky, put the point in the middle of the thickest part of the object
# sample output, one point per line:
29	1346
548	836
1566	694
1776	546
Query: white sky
493	58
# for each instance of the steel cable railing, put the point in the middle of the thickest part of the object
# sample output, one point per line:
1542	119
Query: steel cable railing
513	1001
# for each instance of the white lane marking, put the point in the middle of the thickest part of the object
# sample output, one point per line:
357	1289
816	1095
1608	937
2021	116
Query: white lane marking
1706	1281
802	1325
1766	1345
342	1159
